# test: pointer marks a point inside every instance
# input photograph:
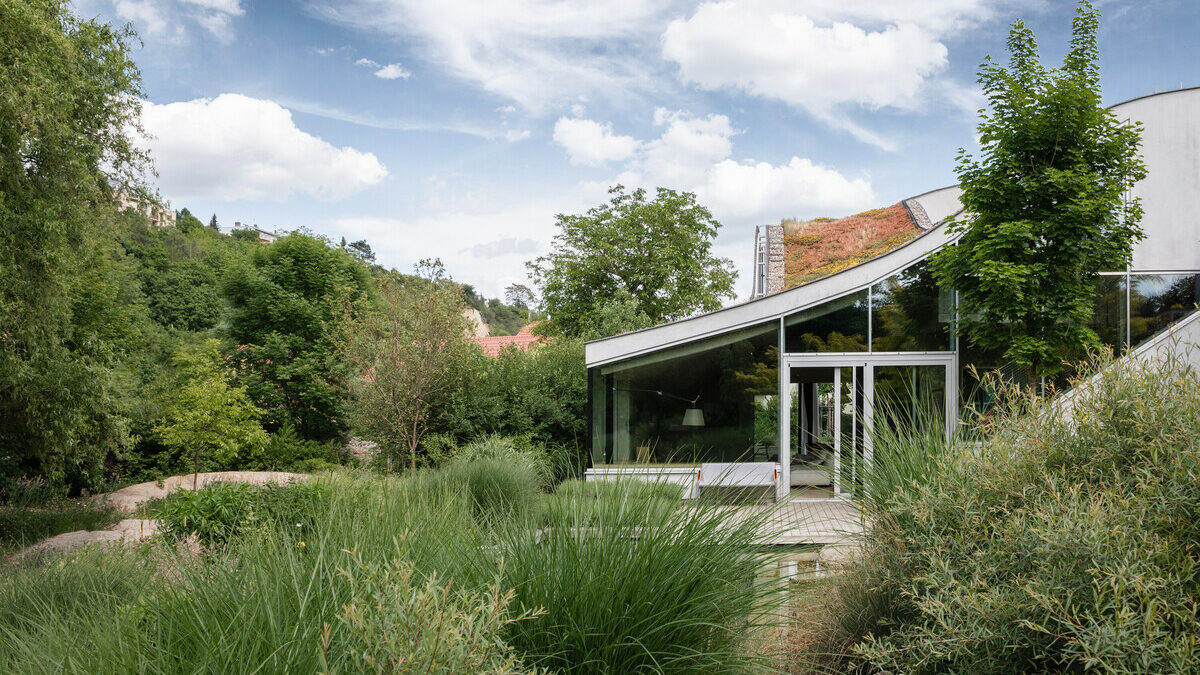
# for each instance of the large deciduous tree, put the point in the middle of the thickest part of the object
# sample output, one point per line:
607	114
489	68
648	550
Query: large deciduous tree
69	98
659	252
281	323
1045	204
411	350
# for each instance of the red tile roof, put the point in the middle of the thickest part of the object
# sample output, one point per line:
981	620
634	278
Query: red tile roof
493	345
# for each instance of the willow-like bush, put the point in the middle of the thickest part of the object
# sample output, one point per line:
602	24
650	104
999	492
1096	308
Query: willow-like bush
1065	541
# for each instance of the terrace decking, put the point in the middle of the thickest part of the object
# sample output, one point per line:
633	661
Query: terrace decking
798	523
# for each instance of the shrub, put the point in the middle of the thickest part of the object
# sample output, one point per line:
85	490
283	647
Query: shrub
628	589
518	450
220	511
499	486
1064	543
286	450
400	623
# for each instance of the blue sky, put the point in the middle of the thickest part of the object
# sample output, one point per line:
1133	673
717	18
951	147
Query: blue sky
459	129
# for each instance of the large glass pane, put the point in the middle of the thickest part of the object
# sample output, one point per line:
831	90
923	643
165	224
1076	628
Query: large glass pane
710	401
910	313
909	400
839	325
1108	312
1158	300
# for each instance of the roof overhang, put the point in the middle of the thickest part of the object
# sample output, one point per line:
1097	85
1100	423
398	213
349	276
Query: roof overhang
939	204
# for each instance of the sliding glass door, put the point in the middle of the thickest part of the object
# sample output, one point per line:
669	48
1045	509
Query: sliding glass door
837	403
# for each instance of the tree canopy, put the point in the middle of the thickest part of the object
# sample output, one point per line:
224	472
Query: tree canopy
1045	203
659	252
70	99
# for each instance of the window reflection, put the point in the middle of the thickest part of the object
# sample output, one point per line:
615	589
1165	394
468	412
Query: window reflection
712	401
910	313
839	325
1158	300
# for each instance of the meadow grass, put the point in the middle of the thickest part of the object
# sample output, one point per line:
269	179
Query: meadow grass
576	584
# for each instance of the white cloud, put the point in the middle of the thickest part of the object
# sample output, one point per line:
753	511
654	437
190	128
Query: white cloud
537	53
393	71
510	235
822	56
590	143
502	247
759	191
695	154
687	147
145	13
514	135
236	147
232	7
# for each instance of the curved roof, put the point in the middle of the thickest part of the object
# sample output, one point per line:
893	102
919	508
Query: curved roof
1170	196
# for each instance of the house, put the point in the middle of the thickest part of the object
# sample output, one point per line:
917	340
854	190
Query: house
835	343
264	237
524	340
154	212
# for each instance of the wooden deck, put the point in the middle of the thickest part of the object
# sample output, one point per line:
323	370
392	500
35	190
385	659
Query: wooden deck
797	523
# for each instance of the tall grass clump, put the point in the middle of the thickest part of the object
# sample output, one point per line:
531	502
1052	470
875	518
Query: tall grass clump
1065	541
626	589
389	574
498	488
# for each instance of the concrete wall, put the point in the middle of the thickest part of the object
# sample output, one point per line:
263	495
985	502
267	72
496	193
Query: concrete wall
1171	192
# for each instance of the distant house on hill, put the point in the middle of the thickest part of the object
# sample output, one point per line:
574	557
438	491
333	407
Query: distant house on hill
492	346
264	237
154	212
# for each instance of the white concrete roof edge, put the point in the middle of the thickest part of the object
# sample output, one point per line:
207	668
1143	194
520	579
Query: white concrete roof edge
937	203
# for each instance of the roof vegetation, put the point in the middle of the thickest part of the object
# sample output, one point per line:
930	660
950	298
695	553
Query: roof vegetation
823	246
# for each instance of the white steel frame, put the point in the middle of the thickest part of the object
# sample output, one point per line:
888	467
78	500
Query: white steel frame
867	361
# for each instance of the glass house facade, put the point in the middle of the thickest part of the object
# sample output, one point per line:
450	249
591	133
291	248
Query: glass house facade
805	376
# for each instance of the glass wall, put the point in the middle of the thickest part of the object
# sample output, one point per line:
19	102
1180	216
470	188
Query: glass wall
1158	300
911	313
839	325
1108	312
714	400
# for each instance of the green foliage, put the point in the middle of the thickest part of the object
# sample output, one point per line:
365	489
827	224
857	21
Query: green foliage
411	352
1045	203
500	486
657	252
285	450
623	590
281	321
210	418
540	394
219	512
400	623
245	235
1064	543
71	96
502	319
214	513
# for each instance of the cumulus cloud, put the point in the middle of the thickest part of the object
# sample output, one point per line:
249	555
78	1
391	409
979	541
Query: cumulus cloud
393	71
237	147
822	56
591	143
695	154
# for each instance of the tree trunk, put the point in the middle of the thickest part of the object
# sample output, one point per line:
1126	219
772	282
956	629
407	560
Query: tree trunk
196	474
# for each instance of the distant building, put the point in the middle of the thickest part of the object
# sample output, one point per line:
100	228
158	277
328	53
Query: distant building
155	213
264	237
492	346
